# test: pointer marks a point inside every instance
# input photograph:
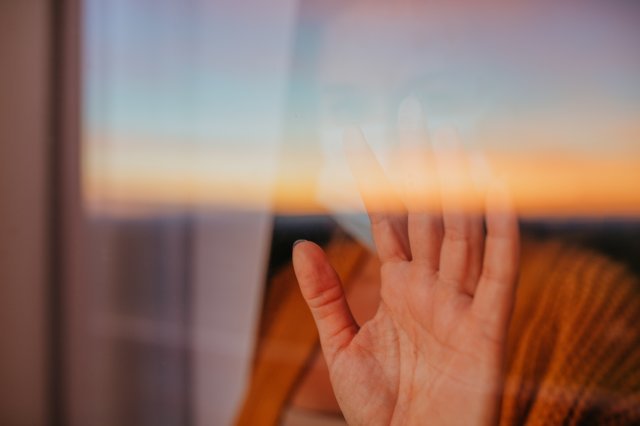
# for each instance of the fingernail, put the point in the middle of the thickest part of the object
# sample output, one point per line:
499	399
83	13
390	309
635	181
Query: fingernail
296	242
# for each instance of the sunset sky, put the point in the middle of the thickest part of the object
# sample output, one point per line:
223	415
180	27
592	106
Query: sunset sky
230	104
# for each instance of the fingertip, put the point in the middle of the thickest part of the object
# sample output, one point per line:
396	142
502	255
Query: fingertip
499	202
302	251
309	261
297	251
480	171
353	141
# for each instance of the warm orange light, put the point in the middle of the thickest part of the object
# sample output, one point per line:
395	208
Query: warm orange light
542	184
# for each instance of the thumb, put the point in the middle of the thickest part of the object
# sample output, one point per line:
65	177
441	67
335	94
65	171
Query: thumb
322	290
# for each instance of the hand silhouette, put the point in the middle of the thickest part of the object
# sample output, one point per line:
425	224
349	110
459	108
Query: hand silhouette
434	351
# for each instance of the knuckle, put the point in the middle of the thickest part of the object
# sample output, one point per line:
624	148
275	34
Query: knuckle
324	298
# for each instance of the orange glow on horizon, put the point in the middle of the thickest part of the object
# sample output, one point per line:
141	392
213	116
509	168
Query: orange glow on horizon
542	184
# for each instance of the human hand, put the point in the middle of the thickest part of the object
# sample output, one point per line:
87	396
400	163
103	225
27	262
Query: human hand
434	351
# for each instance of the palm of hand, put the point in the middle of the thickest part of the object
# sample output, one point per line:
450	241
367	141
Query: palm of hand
433	353
419	361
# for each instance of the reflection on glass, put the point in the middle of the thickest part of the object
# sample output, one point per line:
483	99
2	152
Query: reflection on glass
203	119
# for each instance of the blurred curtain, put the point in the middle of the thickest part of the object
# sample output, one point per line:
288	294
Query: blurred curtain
165	319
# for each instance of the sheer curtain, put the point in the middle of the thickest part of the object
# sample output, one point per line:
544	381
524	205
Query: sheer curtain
182	101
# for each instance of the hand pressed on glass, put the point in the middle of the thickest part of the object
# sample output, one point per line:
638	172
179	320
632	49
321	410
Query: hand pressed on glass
434	351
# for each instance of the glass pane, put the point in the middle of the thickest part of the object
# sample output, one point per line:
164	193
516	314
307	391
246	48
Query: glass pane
214	138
